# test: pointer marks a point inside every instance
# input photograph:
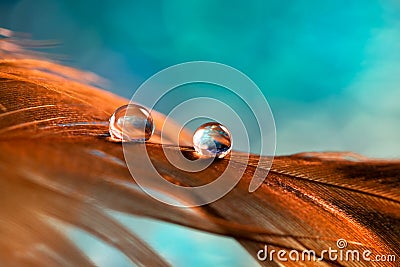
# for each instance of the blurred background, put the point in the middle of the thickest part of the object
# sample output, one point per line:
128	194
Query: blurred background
329	69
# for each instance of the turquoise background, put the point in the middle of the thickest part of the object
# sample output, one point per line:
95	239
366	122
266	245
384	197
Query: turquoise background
329	69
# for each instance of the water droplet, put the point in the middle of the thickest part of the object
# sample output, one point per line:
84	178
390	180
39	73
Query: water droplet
212	139
131	123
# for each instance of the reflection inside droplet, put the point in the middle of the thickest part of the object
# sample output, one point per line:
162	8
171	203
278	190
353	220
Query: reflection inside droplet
212	140
131	123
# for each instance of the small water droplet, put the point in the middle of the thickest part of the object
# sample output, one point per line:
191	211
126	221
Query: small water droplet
212	139
131	123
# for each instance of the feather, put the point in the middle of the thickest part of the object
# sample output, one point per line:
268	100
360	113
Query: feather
58	167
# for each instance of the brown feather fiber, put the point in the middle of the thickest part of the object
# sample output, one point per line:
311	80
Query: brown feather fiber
56	164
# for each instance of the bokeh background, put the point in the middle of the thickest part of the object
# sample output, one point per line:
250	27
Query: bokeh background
329	69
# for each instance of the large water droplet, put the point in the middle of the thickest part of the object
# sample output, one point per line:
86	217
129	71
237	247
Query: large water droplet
131	123
212	139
